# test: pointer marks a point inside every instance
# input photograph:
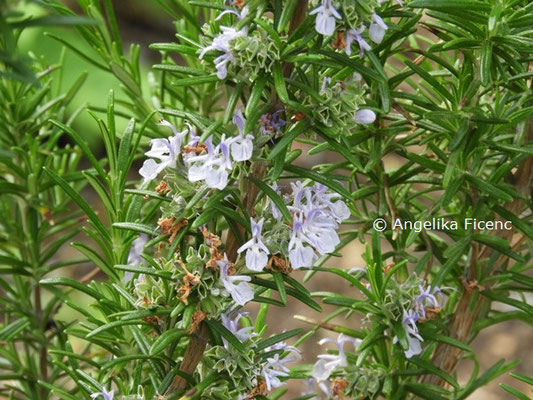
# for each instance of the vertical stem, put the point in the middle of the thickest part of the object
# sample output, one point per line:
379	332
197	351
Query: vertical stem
466	313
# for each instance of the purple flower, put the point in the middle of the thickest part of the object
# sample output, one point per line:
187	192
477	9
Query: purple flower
275	366
325	19
300	255
104	393
365	117
235	285
256	251
428	298
377	29
272	122
165	150
328	362
355	35
315	220
231	323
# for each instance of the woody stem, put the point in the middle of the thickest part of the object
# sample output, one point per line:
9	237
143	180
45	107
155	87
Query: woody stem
470	305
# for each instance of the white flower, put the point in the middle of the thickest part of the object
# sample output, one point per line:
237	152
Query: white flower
365	117
328	362
165	150
241	146
235	285
213	166
377	29
325	19
104	393
355	35
231	323
256	251
275	366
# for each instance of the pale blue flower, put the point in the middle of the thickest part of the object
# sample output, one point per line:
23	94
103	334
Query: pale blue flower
104	393
165	150
319	231
136	249
355	35
330	201
365	117
377	29
231	323
242	146
222	43
276	213
134	256
300	255
236	285
325	18
256	251
315	220
409	321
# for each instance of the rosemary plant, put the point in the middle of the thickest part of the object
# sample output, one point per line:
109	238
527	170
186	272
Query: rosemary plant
206	205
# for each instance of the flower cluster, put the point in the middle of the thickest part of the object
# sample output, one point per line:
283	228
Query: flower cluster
353	21
222	43
249	51
203	161
266	368
428	301
316	215
341	106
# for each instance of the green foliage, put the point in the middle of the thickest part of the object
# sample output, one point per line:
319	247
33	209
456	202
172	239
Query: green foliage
433	123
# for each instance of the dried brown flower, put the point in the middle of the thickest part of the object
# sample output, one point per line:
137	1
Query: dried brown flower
197	319
162	188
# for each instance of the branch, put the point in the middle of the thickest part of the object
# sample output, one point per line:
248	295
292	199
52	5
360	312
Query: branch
446	357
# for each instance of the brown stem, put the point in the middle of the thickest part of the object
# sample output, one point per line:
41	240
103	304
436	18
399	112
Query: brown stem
470	305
